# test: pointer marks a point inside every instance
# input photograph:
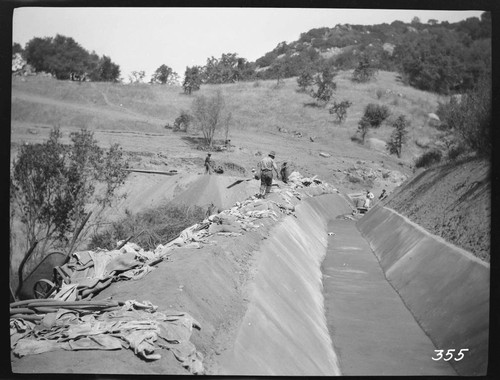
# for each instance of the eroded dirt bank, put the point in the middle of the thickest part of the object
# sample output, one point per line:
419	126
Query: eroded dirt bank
452	201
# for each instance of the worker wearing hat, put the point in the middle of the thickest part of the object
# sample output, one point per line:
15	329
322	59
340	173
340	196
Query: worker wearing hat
266	167
209	164
284	172
369	198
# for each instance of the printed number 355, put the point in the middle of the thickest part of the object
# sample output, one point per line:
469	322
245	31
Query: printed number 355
449	354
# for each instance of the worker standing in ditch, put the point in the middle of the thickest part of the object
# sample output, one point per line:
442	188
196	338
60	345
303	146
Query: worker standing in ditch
284	172
209	164
266	167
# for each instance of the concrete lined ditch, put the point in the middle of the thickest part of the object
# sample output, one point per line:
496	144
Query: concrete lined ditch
373	332
445	287
436	298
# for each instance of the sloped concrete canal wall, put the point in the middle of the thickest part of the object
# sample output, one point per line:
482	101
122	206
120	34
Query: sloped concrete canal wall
284	330
444	287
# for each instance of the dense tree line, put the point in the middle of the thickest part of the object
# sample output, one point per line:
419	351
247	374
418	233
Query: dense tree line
164	75
442	60
229	68
63	56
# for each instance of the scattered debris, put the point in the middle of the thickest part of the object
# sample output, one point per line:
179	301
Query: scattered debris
295	133
38	326
88	272
283	130
359	173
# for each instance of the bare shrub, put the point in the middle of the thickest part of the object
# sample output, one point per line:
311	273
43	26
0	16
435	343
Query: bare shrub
211	115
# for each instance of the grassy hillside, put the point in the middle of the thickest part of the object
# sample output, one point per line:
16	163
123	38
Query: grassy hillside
256	107
135	117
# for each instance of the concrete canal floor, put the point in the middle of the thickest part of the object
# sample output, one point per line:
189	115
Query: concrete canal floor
373	332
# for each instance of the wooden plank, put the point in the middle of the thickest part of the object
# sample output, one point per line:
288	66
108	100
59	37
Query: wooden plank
151	171
235	183
238	182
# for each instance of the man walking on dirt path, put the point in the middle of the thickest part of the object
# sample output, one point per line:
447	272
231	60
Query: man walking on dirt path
266	166
209	164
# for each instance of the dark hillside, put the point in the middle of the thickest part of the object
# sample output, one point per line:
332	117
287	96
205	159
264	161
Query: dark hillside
439	57
452	201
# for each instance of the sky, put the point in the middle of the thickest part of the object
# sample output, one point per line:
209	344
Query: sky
142	39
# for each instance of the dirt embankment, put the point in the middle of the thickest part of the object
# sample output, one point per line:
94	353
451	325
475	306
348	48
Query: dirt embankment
452	201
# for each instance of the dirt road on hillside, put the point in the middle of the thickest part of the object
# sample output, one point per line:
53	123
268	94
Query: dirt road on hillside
116	113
